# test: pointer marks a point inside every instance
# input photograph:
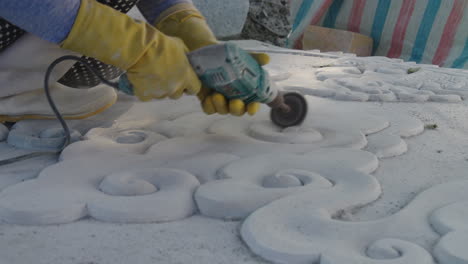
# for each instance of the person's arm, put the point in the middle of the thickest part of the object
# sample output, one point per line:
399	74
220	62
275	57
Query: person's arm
181	19
51	20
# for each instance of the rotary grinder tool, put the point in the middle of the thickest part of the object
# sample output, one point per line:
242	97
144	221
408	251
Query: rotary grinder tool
225	68
235	74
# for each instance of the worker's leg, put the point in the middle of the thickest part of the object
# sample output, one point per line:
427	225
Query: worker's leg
23	63
22	69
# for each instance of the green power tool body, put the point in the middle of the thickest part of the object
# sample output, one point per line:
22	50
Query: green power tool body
235	74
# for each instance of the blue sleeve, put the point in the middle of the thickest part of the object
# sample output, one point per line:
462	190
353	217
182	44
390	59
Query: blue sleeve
51	20
151	9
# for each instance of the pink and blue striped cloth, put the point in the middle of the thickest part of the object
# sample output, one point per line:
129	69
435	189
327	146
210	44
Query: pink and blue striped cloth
424	31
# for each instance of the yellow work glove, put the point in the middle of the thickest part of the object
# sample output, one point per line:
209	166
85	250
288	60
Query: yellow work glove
186	22
214	102
156	64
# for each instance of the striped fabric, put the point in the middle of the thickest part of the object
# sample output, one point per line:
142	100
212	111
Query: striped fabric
304	13
424	31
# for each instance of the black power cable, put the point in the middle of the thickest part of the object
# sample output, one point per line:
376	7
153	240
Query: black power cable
59	117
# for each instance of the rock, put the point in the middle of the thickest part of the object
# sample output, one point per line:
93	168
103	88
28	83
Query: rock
225	17
268	21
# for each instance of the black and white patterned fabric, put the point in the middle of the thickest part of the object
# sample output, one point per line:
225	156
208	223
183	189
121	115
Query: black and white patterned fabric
9	33
121	5
78	76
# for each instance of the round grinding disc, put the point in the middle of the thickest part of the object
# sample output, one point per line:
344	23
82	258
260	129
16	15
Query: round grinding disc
295	116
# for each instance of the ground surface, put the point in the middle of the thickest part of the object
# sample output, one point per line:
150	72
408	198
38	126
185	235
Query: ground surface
361	181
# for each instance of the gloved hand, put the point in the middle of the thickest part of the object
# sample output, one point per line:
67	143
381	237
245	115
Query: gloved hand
214	102
186	22
156	64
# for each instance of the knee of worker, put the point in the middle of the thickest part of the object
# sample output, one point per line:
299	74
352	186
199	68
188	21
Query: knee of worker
24	63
